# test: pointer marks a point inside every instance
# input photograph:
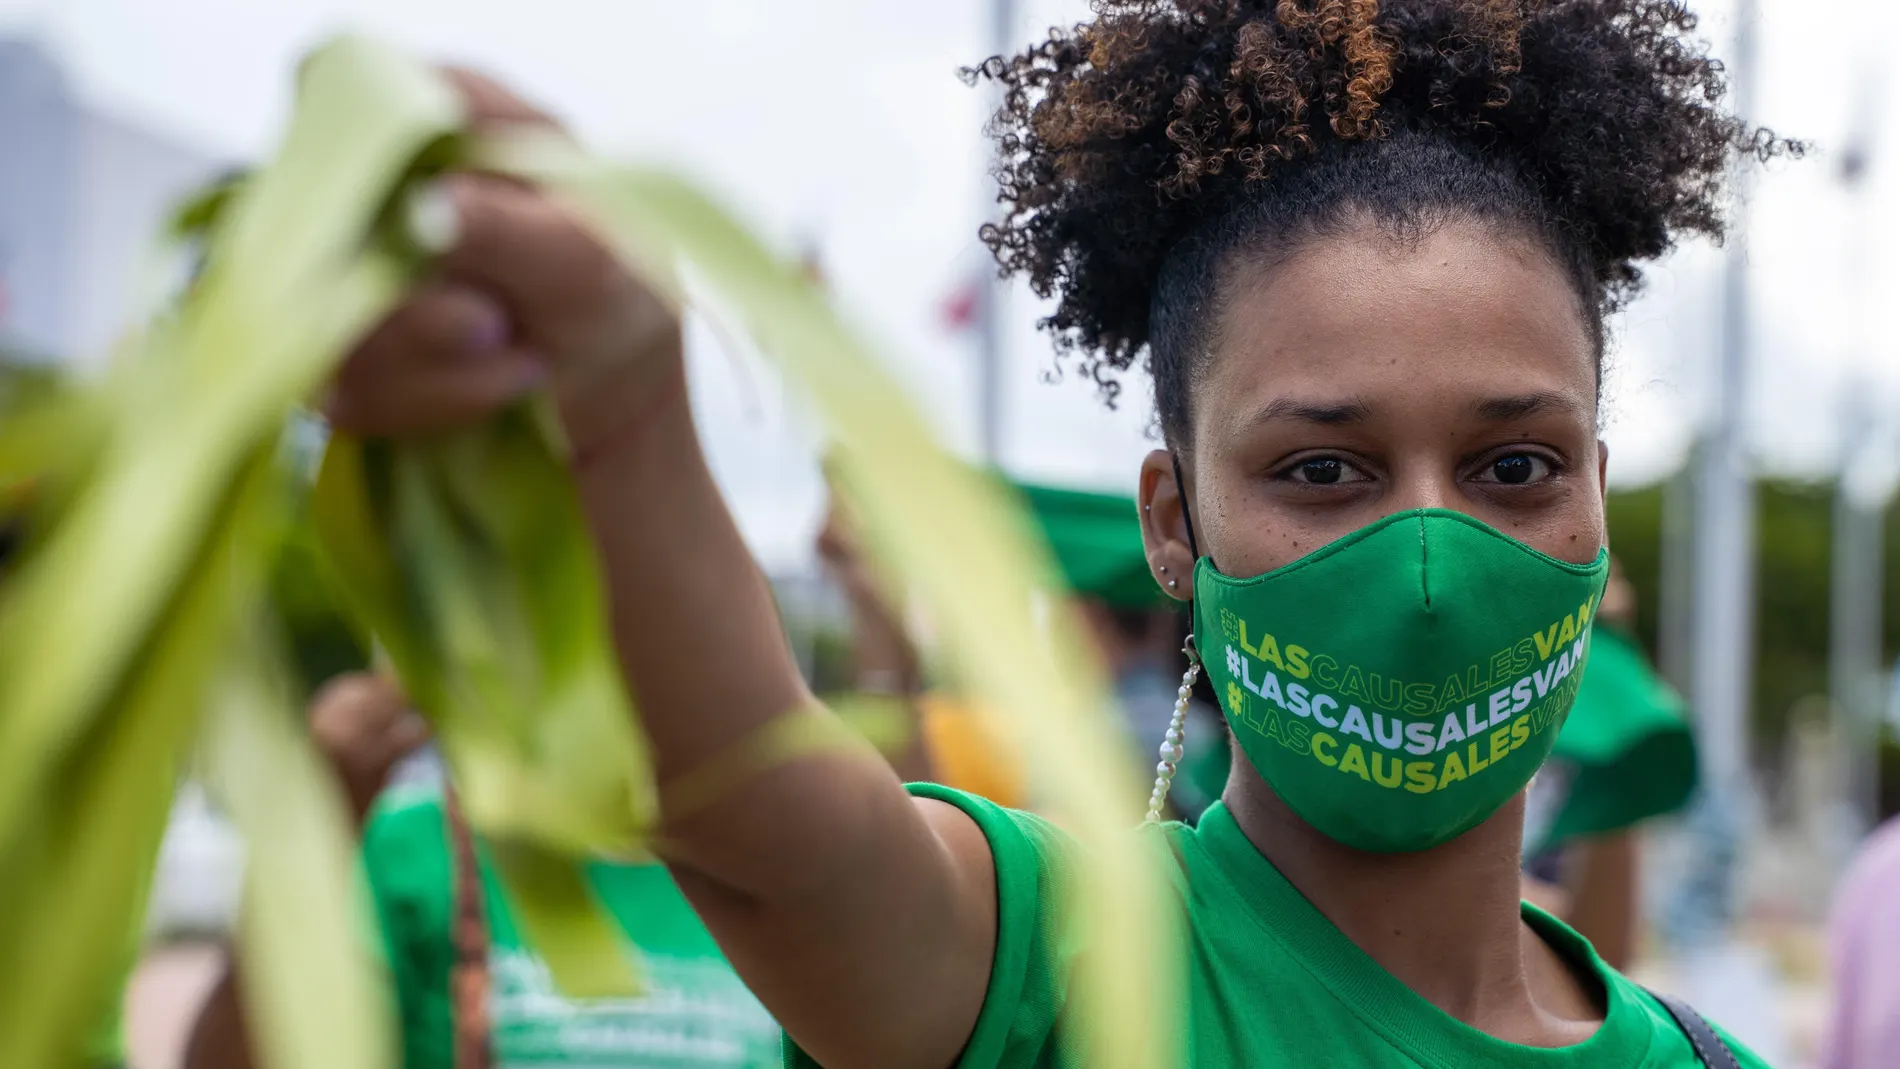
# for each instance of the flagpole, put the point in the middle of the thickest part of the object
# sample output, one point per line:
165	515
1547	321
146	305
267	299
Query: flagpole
1723	593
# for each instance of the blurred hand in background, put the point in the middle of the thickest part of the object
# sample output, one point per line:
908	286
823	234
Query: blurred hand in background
364	727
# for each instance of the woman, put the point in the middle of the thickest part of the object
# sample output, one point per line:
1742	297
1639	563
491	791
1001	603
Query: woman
1367	250
1096	541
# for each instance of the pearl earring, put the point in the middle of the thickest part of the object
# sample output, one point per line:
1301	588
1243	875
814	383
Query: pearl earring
1171	749
1172	584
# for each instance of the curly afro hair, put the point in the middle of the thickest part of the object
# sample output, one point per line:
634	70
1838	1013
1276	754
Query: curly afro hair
1141	151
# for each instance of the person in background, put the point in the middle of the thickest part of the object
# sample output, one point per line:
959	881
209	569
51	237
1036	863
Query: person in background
1138	630
943	740
469	992
1626	754
1863	1027
1095	539
887	697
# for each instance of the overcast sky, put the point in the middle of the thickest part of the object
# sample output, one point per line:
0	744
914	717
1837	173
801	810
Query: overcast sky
841	124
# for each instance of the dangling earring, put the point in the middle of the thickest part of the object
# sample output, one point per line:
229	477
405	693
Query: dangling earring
1171	748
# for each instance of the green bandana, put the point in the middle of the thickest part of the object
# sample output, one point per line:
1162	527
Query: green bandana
1396	687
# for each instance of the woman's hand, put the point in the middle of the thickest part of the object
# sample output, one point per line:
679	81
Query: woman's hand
525	297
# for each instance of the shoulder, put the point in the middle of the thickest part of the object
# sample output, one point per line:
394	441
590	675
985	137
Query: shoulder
1030	858
1038	935
1033	856
1028	982
1016	838
1020	838
405	842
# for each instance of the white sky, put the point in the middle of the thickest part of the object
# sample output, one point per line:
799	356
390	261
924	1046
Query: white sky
841	123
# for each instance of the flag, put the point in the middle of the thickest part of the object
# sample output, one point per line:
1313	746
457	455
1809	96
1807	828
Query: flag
964	306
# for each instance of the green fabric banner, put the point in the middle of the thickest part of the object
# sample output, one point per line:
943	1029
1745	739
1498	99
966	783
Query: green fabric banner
1097	542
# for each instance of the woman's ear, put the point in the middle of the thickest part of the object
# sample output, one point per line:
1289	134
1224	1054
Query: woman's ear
1164	525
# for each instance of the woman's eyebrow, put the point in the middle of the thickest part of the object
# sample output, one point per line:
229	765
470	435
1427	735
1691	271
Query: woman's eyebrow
1331	414
1505	409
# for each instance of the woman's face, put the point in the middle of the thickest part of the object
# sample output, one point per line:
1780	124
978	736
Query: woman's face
1365	376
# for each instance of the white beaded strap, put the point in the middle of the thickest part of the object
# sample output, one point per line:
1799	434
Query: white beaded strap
1171	748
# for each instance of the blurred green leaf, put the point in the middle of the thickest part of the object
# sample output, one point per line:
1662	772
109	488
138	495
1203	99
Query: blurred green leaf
922	510
312	982
468	559
113	621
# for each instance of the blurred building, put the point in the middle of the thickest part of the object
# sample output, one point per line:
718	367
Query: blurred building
82	195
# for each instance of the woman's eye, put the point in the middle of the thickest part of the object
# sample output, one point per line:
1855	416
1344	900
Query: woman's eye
1516	469
1325	471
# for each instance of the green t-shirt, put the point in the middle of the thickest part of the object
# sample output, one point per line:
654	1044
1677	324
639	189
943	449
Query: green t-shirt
696	1013
1269	981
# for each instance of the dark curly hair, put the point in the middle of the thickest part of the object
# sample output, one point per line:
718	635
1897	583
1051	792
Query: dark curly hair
1142	151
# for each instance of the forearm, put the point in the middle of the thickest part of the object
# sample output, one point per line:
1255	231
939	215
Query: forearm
693	618
865	927
699	638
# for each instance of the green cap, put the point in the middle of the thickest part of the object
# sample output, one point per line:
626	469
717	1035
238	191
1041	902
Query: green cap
1097	543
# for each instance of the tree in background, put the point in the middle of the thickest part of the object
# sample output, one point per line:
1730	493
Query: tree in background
1791	598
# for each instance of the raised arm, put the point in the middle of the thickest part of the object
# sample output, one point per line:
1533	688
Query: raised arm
864	921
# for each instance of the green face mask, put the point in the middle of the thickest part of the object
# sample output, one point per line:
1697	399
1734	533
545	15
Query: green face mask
1398	686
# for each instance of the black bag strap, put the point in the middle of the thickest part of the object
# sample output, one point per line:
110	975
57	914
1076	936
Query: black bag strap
1708	1046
